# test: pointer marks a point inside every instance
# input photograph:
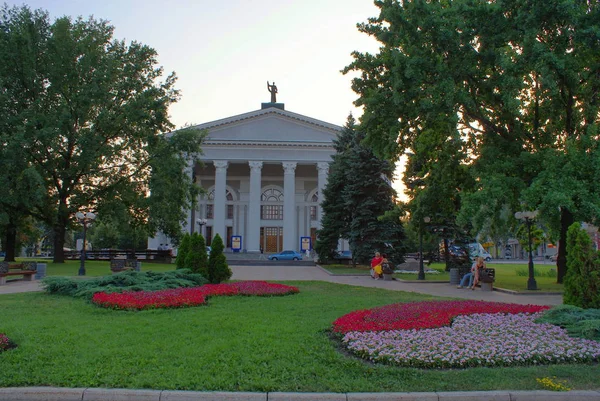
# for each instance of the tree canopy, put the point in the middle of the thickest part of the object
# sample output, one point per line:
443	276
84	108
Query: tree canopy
88	114
519	78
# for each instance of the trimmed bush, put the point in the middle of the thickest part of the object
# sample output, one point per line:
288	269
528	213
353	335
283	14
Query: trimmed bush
182	251
579	322
124	281
218	269
196	259
582	280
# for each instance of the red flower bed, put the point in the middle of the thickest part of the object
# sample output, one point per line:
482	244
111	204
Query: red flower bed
184	297
422	315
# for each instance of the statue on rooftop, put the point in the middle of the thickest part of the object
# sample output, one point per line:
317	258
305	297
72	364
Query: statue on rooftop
273	90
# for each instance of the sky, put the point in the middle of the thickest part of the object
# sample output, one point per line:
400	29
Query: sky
224	52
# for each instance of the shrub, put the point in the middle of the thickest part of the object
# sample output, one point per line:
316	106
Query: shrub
124	281
582	280
218	270
6	343
182	251
196	259
579	322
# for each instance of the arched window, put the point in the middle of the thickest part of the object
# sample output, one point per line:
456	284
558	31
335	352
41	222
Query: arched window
273	210
313	208
209	206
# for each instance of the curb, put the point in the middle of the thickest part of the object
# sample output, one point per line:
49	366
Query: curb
99	394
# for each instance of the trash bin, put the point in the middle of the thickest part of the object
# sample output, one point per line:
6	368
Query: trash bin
454	276
40	271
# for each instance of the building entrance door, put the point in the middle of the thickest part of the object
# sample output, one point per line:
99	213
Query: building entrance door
271	239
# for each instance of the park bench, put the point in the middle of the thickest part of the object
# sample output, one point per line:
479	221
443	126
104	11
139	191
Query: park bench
121	265
25	269
487	278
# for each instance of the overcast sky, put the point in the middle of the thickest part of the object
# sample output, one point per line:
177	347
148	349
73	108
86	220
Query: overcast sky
224	52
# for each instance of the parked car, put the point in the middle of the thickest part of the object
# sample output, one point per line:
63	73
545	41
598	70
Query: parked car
553	258
343	255
286	255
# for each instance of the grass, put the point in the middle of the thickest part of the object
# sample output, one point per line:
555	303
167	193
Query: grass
93	268
233	344
507	275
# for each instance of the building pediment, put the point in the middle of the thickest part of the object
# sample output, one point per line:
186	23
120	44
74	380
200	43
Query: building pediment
270	127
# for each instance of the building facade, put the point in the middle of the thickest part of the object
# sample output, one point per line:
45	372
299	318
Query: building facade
263	173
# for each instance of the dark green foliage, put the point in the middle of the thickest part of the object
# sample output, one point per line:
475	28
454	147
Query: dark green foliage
196	259
357	197
579	322
218	270
582	282
182	251
125	281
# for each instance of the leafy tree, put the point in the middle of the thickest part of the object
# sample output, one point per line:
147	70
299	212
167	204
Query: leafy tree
218	270
357	194
92	122
582	282
520	77
182	251
196	259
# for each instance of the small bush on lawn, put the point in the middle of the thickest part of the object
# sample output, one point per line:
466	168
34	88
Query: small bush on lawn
182	251
6	343
582	280
124	281
196	258
218	270
185	297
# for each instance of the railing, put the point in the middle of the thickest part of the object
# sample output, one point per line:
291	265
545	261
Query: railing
149	255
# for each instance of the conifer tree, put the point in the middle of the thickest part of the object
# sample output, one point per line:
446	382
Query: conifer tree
218	270
582	282
182	251
196	259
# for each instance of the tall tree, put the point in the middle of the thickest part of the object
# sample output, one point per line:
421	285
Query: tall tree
522	79
94	129
357	196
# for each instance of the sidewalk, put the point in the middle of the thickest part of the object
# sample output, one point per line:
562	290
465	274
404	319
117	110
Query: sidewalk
315	273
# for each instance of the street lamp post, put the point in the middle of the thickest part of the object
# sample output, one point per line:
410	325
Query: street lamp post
421	275
528	218
84	219
202	223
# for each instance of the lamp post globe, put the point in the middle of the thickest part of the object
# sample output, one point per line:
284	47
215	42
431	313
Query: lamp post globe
202	223
84	219
527	217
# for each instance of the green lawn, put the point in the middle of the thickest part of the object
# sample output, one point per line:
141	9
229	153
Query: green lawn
506	275
232	344
93	268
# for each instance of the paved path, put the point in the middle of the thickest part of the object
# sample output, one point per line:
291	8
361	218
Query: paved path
315	273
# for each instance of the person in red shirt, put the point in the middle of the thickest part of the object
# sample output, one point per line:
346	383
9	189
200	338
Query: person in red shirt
376	261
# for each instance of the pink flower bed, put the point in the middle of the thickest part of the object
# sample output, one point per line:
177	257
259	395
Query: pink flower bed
422	315
185	297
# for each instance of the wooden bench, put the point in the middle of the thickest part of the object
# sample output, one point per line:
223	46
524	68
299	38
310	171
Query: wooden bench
25	269
121	265
487	279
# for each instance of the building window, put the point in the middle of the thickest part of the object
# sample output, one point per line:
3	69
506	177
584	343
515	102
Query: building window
272	195
271	212
209	211
230	211
313	213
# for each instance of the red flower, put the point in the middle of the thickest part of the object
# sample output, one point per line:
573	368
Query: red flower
422	315
184	297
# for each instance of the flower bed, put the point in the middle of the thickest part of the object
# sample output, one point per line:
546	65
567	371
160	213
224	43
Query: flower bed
6	343
186	297
422	315
459	334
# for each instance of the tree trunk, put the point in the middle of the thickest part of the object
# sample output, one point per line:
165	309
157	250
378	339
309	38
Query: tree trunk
446	254
566	219
11	242
60	229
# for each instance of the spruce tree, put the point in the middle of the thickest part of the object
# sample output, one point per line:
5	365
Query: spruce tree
357	196
196	259
218	270
582	282
182	251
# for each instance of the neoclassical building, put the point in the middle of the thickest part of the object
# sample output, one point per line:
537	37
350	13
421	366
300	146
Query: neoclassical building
263	173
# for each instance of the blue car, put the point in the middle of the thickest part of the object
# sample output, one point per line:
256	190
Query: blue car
286	255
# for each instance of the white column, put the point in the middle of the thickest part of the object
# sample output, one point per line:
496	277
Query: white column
323	169
191	215
289	206
219	205
252	239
